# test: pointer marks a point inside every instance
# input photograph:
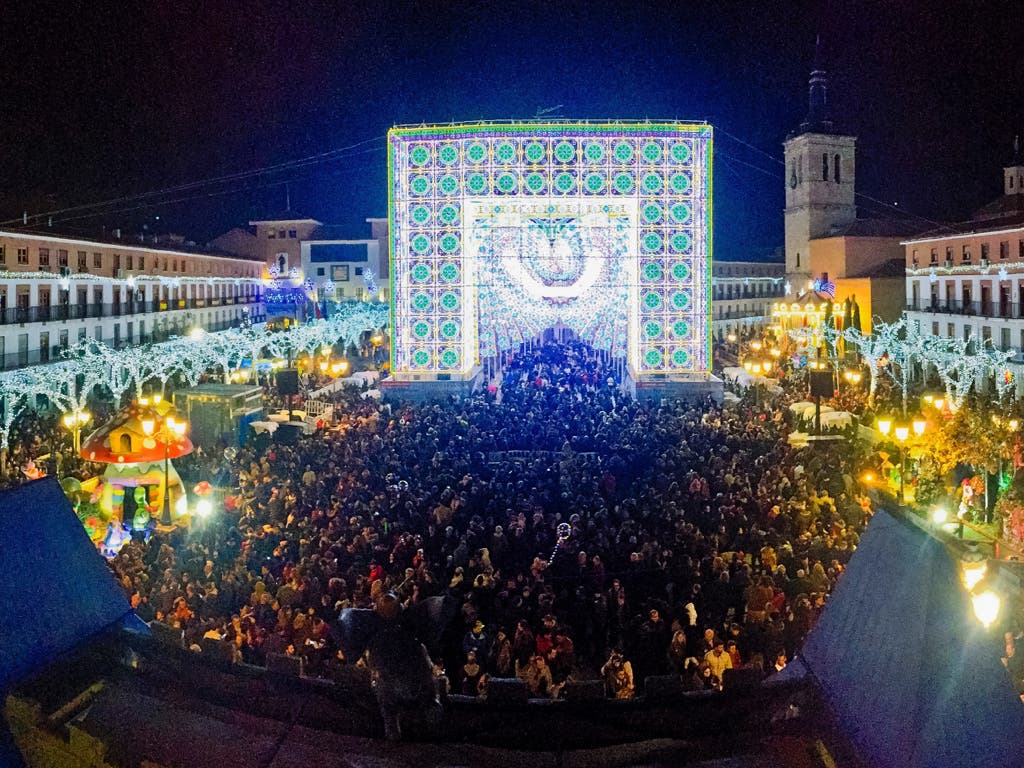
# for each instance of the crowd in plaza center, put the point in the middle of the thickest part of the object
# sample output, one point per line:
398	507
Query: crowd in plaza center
582	533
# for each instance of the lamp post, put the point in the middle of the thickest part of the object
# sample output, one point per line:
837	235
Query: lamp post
74	421
169	428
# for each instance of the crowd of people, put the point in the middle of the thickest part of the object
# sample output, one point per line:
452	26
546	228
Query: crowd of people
582	533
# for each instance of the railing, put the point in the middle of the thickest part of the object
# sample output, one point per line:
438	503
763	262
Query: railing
45	313
53	353
1008	310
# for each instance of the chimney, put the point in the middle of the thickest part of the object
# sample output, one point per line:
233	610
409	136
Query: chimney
117	233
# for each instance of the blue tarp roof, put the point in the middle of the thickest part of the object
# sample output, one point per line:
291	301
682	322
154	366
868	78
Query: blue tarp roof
59	591
913	678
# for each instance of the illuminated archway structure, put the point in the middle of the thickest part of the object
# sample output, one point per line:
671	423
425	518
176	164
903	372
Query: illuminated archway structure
501	230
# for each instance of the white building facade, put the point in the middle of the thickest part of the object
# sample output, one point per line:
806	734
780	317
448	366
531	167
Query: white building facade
56	291
742	293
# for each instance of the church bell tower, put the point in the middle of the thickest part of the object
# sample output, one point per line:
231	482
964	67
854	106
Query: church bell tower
820	175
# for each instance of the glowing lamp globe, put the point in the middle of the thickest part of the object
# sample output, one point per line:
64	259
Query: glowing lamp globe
919	426
884	426
986	607
902	433
939	515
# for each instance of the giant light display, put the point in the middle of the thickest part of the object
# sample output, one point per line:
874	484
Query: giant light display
500	231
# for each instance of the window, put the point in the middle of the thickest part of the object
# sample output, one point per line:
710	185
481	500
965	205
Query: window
835	169
23	255
3	254
44	257
272	234
935	256
984	250
319	271
339	274
359	271
949	253
914	257
798	260
62	257
967	253
97	260
824	166
142	262
83	261
280	233
291	233
128	260
184	268
1004	249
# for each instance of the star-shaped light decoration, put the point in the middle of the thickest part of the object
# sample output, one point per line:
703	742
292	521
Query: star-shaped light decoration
932	276
788	287
1003	274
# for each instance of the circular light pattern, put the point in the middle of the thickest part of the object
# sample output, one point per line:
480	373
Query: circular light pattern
420	358
504	152
450	301
420	273
623	152
681	152
476	183
681	358
652	272
654	358
652	183
449	358
449	272
420	214
680	300
535	182
681	329
419	155
651	213
652	329
476	152
652	242
594	152
420	243
680	242
449	243
448	185
565	152
449	213
421	301
680	183
419	185
594	183
652	152
623	183
652	300
506	182
534	152
564	182
681	271
450	329
448	154
421	329
680	212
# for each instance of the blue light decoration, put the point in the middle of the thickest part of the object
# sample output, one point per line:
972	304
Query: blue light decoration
824	286
500	231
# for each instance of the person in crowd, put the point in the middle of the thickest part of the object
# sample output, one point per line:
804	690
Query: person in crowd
618	676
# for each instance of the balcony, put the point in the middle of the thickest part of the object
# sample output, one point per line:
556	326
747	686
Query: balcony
62	312
1006	310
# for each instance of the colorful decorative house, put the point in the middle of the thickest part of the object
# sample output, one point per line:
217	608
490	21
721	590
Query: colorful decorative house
138	445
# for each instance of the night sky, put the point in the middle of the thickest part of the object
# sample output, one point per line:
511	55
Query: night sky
100	100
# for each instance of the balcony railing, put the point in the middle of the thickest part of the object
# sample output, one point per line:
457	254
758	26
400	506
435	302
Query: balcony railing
57	312
1008	310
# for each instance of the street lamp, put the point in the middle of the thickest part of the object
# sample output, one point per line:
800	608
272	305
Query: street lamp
75	420
902	432
169	428
884	425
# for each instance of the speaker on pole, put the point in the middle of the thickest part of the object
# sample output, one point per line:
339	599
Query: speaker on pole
821	383
288	381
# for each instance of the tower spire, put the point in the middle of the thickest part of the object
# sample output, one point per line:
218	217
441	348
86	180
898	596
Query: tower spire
818	118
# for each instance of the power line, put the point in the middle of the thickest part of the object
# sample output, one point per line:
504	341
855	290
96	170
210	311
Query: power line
298	163
141	205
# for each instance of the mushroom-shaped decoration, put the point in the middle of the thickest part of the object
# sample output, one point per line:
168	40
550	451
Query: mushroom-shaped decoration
134	445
